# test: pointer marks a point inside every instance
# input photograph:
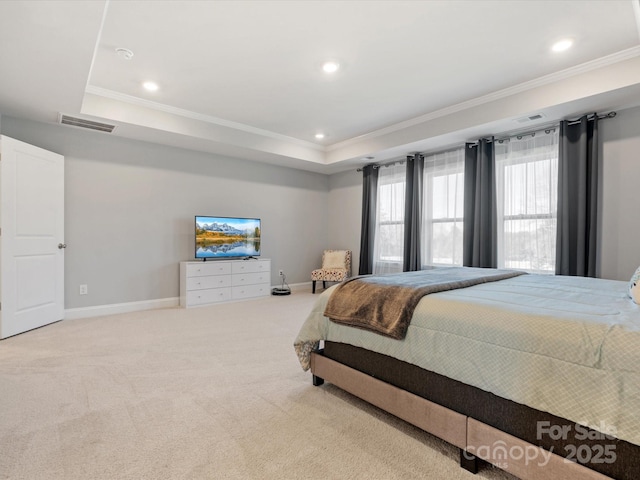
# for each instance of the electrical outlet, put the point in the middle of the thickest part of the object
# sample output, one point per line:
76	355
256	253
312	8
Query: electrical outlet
280	272
83	290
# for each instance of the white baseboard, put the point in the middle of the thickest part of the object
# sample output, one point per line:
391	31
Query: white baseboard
100	310
115	308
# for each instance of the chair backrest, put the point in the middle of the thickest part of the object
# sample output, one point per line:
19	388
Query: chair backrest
337	259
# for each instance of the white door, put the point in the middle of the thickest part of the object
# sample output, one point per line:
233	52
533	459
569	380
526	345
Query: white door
31	237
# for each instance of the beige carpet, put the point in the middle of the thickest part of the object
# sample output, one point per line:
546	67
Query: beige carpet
205	393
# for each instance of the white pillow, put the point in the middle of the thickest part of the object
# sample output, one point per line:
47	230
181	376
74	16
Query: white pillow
335	259
634	286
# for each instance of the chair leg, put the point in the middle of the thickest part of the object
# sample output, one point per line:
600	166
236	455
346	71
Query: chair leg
324	284
313	286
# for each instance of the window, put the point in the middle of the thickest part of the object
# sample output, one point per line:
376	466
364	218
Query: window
389	239
527	185
443	206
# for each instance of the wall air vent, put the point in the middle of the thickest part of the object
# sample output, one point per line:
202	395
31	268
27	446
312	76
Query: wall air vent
84	123
531	118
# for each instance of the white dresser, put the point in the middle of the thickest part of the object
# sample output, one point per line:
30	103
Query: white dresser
203	283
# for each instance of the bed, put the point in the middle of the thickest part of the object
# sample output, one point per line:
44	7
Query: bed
536	374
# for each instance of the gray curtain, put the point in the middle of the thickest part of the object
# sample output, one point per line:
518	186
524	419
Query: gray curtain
578	166
480	235
413	213
368	226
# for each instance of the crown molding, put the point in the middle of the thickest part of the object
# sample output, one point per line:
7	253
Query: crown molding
497	95
161	107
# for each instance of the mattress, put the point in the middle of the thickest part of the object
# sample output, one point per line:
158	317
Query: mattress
569	346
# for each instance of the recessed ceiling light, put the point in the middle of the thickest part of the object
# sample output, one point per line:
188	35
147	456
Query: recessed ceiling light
319	136
562	45
151	86
124	53
330	66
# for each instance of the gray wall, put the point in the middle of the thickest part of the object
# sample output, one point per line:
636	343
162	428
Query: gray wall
620	242
129	209
345	213
620	222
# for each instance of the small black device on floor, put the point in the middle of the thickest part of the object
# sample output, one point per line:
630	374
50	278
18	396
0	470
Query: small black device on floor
281	290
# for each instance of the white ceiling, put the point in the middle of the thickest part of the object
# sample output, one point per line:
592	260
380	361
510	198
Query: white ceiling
243	78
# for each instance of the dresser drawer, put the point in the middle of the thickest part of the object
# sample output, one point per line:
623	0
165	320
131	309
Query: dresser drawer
212	281
251	266
208	268
212	295
249	291
249	278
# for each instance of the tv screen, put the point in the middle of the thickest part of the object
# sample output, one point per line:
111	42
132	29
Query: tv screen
226	237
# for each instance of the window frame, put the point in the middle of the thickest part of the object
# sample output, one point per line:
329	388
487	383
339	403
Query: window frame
431	171
398	180
552	214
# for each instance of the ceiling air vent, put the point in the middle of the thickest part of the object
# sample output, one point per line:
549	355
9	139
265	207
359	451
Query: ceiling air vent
84	123
531	118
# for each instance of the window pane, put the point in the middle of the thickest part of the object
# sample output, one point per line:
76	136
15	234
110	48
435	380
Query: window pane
447	195
391	238
391	201
528	188
447	243
530	244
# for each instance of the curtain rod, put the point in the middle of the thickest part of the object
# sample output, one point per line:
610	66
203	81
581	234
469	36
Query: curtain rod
600	117
547	129
379	165
409	158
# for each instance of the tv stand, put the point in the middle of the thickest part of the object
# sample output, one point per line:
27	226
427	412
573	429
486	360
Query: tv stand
223	281
250	258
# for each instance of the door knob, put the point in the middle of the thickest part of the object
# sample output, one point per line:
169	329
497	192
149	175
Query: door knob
62	245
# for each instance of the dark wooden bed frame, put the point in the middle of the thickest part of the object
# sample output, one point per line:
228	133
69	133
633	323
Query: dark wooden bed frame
481	424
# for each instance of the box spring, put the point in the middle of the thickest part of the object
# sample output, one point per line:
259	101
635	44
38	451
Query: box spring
504	415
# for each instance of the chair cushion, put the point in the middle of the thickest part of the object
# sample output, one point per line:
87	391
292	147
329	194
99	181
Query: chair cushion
329	275
334	259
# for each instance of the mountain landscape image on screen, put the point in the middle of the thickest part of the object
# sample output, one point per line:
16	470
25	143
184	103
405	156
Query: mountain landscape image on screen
227	237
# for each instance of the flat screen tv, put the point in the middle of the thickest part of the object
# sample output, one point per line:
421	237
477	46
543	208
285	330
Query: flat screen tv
226	237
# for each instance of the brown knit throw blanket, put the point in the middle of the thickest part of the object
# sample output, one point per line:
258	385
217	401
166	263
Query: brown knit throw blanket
384	303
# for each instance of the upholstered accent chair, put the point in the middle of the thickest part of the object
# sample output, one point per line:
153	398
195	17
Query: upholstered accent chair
336	267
